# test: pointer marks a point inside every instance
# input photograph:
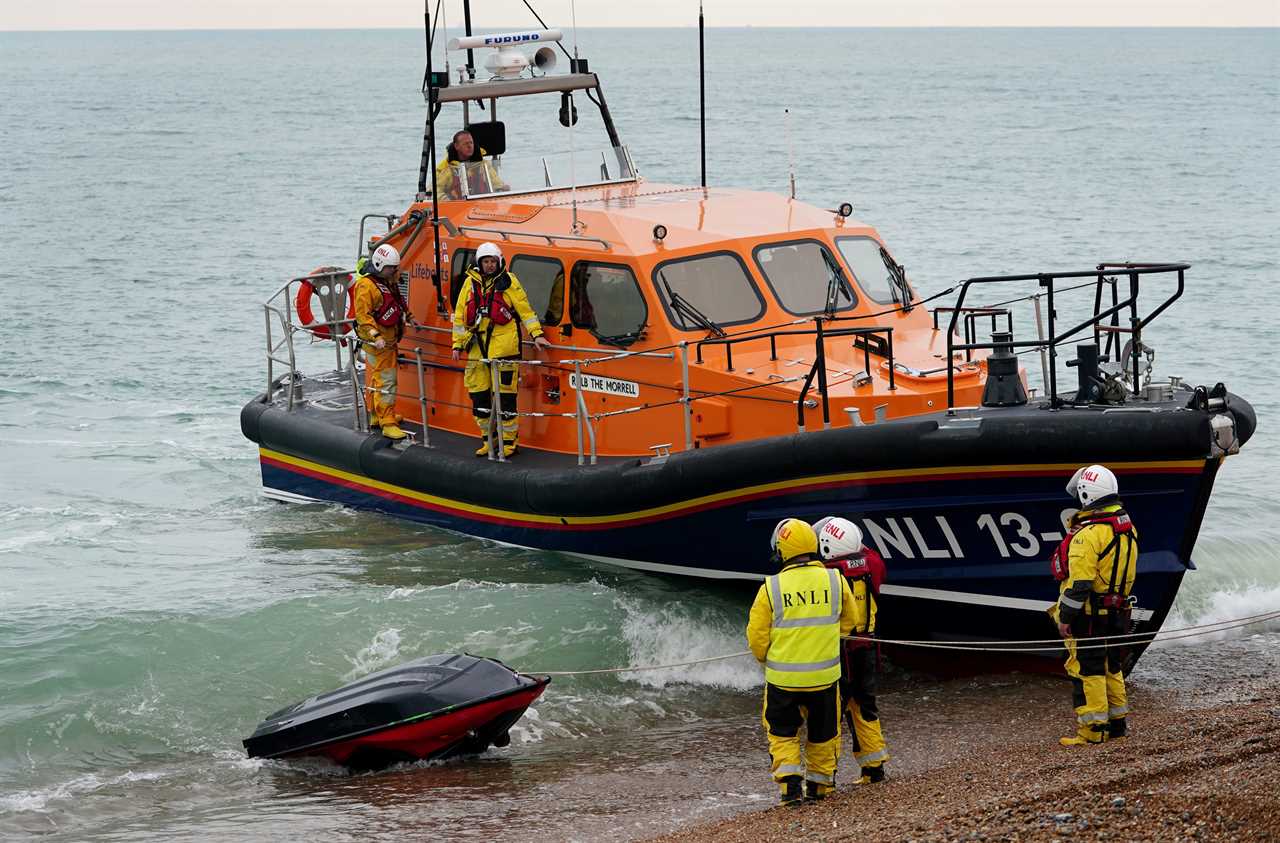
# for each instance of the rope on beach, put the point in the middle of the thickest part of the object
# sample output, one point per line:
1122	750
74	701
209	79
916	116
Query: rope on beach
978	646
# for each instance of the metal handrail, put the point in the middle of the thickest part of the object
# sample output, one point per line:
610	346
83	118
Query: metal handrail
507	233
1047	280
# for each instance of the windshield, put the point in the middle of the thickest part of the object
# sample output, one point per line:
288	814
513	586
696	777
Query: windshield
717	286
863	256
805	277
529	174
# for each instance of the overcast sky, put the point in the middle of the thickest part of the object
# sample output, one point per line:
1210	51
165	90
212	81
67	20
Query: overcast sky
268	14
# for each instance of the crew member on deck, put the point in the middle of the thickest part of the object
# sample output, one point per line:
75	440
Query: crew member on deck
796	623
380	318
485	326
840	547
1096	564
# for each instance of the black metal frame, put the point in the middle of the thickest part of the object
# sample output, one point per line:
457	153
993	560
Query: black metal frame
1047	280
819	367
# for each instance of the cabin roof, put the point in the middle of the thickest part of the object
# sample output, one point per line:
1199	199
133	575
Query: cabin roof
625	214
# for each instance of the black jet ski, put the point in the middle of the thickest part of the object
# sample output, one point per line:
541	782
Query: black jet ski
433	707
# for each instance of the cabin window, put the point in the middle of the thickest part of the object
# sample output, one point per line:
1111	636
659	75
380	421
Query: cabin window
462	261
605	299
717	285
543	282
865	257
802	274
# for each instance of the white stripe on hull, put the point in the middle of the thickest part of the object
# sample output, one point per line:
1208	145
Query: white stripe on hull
912	591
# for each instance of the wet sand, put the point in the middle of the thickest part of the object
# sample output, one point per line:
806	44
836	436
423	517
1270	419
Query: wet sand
1200	764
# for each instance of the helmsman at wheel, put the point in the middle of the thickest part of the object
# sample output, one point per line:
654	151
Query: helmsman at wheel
492	308
840	548
1096	563
796	623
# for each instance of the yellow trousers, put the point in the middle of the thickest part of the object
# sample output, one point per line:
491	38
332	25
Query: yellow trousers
479	383
1099	693
783	713
380	384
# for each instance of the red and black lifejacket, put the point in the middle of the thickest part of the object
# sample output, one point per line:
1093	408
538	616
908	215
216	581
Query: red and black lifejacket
390	311
1121	527
867	567
491	303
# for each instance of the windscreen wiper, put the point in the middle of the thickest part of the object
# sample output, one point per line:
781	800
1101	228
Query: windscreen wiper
836	285
899	277
687	312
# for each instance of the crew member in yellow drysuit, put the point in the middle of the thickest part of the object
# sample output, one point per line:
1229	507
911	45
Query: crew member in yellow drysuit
380	317
795	626
1096	563
492	307
840	548
465	166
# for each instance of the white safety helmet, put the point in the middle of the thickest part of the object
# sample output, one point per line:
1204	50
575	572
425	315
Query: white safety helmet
1092	484
838	538
384	256
489	250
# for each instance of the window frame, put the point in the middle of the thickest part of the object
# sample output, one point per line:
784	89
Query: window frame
746	272
459	275
635	280
755	257
849	266
564	291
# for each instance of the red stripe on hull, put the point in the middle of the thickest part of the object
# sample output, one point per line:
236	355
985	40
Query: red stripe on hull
649	519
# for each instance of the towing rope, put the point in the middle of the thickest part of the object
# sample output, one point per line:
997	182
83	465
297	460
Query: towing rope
978	646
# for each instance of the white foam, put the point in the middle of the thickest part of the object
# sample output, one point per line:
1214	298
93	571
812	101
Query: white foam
1224	606
384	649
669	635
28	801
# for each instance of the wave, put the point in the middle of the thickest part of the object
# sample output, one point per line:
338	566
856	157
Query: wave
681	633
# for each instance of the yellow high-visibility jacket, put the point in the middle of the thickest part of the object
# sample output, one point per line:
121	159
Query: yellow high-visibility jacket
1093	559
796	623
366	299
481	177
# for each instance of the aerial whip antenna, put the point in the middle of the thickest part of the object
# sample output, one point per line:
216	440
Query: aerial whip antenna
791	161
702	92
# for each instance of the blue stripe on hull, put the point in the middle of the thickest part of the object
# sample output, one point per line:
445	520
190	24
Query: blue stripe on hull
988	536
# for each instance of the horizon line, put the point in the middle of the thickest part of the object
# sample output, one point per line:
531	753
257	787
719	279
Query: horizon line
1098	26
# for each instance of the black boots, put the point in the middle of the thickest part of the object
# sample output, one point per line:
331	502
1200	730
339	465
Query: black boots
1117	728
873	774
792	791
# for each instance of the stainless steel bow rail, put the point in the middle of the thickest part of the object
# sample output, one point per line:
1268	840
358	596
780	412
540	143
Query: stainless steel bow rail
1104	321
978	646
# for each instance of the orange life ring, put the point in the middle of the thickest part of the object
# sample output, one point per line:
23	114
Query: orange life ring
302	303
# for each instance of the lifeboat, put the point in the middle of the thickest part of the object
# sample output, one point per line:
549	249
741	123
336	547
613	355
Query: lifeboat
427	709
722	359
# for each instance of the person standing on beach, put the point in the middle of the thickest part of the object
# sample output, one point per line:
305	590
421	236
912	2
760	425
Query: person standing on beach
1096	564
794	630
380	319
840	548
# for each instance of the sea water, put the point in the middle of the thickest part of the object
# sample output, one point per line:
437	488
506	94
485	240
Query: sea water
156	188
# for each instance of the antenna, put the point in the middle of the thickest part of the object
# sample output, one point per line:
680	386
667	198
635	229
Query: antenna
702	93
791	160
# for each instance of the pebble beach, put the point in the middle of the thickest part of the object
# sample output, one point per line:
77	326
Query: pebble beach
1200	764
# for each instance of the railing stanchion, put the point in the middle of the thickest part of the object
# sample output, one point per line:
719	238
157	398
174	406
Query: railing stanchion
892	364
495	415
422	397
357	395
579	406
266	311
1047	282
1044	357
688	403
820	347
